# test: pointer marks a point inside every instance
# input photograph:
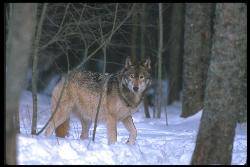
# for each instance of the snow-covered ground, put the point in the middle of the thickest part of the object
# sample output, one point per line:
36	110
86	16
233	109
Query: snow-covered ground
156	142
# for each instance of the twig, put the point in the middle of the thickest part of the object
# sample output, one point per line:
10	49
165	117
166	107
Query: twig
110	36
54	39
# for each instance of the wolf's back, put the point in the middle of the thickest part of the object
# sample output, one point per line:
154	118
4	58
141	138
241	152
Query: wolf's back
85	79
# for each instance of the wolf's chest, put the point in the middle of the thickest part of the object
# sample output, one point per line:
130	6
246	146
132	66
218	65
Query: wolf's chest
122	110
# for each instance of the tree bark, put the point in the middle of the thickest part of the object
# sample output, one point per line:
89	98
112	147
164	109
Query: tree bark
18	49
197	47
143	24
176	51
160	46
223	94
142	48
243	74
134	35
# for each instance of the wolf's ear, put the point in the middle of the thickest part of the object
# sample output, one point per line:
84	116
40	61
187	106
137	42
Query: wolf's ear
147	63
128	62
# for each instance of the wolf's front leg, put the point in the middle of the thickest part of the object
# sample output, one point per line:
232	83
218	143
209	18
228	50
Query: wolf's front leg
111	130
85	129
128	123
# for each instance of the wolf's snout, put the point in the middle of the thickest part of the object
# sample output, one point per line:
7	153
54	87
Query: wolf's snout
135	88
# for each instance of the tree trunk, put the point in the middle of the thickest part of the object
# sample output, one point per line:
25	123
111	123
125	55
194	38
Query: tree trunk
176	51
18	49
243	74
34	69
196	56
143	24
160	45
142	48
134	35
223	94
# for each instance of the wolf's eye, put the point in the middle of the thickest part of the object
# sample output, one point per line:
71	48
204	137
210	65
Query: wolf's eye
141	77
131	76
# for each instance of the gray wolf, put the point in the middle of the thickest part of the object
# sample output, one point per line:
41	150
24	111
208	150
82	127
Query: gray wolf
122	94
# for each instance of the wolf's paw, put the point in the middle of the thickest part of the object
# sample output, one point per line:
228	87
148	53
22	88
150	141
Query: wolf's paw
130	142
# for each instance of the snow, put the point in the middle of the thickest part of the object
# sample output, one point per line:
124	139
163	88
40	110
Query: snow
156	143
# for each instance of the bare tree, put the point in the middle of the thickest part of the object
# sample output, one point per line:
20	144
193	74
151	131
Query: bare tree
21	28
224	93
143	25
134	35
160	38
142	49
34	68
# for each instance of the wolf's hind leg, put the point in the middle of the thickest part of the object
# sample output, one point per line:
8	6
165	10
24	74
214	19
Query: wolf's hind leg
128	123
85	129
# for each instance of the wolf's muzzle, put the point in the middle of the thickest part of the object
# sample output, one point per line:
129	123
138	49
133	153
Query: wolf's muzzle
135	88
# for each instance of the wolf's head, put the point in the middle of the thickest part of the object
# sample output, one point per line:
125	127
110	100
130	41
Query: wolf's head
136	76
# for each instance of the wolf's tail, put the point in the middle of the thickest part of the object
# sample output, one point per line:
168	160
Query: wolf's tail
62	130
